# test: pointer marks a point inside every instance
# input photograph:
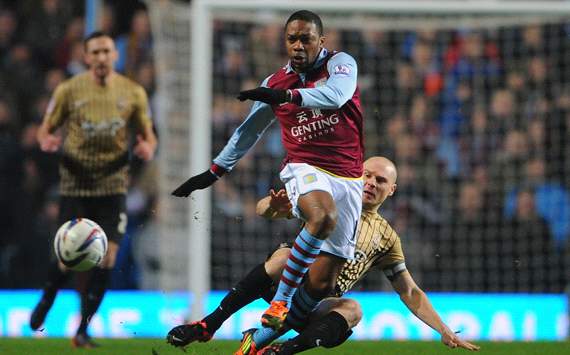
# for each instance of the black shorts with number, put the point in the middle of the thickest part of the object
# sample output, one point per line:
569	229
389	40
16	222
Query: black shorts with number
107	211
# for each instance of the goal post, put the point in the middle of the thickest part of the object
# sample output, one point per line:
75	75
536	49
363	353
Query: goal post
191	97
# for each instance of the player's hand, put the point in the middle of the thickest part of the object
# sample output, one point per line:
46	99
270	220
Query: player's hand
198	182
143	149
49	143
267	95
279	201
451	340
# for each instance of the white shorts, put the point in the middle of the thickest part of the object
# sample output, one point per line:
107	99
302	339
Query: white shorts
301	178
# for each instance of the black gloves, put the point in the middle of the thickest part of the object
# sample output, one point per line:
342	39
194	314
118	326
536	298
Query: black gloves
200	181
267	95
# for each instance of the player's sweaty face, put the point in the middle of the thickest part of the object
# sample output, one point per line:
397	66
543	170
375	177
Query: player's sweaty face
303	44
378	185
101	55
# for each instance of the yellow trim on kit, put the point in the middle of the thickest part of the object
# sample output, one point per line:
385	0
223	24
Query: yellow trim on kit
338	176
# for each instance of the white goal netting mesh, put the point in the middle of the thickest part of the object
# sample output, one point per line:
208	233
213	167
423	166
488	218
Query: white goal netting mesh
473	109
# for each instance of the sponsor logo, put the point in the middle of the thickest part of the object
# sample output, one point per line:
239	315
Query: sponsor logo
342	69
313	124
105	128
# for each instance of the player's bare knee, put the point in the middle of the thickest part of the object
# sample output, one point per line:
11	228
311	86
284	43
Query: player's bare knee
321	222
354	312
350	310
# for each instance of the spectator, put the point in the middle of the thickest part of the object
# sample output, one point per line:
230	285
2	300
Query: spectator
46	27
75	65
503	114
552	200
265	46
418	171
135	47
536	135
477	141
540	92
506	169
106	20
466	244
22	79
427	67
63	49
533	264
53	78
231	68
8	27
11	175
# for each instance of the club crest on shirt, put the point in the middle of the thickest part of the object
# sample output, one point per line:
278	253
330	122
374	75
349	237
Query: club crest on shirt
78	103
122	104
309	178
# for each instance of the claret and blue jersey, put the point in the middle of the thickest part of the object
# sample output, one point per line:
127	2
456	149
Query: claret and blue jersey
325	128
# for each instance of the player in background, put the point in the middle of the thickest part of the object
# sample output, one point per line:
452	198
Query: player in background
316	100
95	112
378	248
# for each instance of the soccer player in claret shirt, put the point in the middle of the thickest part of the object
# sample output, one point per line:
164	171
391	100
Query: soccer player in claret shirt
316	100
95	111
378	247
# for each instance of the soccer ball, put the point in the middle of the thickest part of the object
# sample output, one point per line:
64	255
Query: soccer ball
80	244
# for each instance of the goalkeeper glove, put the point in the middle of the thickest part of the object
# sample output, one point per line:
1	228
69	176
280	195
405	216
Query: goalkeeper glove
200	181
267	95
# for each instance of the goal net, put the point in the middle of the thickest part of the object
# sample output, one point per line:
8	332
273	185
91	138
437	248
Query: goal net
471	100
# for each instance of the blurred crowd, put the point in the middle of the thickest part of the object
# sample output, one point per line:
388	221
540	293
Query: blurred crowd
40	46
476	120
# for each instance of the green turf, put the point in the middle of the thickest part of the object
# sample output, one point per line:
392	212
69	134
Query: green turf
28	346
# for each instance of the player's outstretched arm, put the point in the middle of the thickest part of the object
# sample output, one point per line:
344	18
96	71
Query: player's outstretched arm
417	301
244	137
200	181
274	206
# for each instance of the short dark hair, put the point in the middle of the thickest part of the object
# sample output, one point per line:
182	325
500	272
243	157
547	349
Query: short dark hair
307	16
93	35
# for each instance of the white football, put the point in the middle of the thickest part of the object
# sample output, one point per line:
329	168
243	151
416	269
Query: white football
80	244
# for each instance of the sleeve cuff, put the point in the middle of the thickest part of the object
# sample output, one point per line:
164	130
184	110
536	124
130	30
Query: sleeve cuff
217	170
296	97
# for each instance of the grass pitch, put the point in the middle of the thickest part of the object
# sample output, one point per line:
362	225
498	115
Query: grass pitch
30	346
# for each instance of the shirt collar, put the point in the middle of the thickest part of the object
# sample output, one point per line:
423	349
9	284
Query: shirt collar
320	60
